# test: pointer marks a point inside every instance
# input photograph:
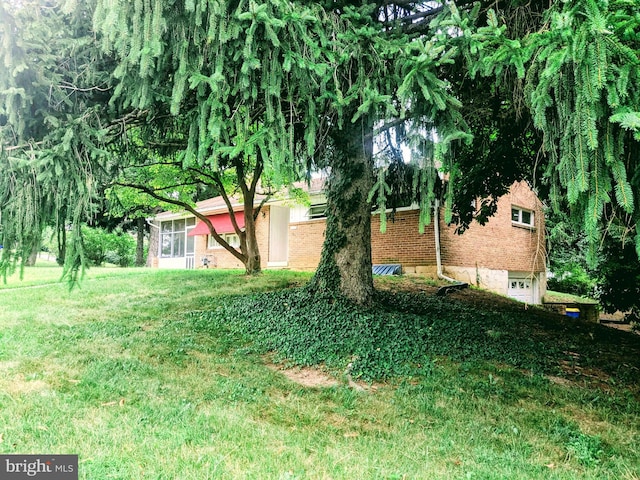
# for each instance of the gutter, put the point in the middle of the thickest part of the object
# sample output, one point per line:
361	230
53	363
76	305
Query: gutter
151	224
455	284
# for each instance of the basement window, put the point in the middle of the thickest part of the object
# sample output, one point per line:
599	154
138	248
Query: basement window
317	211
521	217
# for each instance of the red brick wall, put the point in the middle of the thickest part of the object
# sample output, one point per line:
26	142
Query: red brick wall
402	242
305	244
499	244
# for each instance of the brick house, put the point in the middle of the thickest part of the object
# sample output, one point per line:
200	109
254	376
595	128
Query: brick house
507	255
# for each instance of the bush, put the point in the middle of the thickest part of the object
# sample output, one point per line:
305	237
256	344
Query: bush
121	249
572	278
94	242
101	246
619	285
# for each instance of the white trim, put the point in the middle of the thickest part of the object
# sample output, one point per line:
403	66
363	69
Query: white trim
521	211
524	278
277	264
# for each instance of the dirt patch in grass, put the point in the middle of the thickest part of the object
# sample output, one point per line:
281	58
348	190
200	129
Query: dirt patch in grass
315	378
7	365
19	385
306	376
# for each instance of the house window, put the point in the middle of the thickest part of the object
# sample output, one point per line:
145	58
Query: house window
172	238
231	238
521	284
317	211
521	216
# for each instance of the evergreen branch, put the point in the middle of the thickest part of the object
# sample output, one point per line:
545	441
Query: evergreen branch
152	164
181	145
409	19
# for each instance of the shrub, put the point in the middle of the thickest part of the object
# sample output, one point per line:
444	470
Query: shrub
101	246
619	285
573	278
121	249
95	245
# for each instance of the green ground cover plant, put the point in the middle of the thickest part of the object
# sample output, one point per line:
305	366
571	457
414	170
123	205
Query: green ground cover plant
405	331
181	375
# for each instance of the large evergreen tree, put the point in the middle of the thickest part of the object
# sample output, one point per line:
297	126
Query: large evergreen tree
54	90
282	84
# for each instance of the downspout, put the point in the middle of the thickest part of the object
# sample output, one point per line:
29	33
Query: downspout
151	224
455	284
436	231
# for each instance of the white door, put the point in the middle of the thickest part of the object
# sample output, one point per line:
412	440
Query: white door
190	250
522	288
278	236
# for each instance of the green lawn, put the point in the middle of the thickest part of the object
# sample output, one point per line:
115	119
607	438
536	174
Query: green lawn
165	375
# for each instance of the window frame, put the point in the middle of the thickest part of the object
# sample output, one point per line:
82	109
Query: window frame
212	243
519	222
314	212
176	238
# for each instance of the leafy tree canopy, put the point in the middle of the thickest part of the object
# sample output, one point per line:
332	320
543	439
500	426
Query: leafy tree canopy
54	91
284	84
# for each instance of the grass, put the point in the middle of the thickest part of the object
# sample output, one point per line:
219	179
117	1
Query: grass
568	298
47	272
166	375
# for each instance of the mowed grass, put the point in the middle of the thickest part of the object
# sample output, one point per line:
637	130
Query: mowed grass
123	372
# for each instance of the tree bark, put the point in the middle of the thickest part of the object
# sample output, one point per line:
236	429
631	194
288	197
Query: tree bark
140	226
154	244
250	248
62	244
35	249
345	263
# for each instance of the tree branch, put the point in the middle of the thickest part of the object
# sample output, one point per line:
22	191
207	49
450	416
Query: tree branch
239	255
20	147
69	86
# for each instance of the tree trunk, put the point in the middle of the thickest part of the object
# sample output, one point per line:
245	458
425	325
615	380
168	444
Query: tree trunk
62	245
33	255
140	225
251	249
345	263
154	241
